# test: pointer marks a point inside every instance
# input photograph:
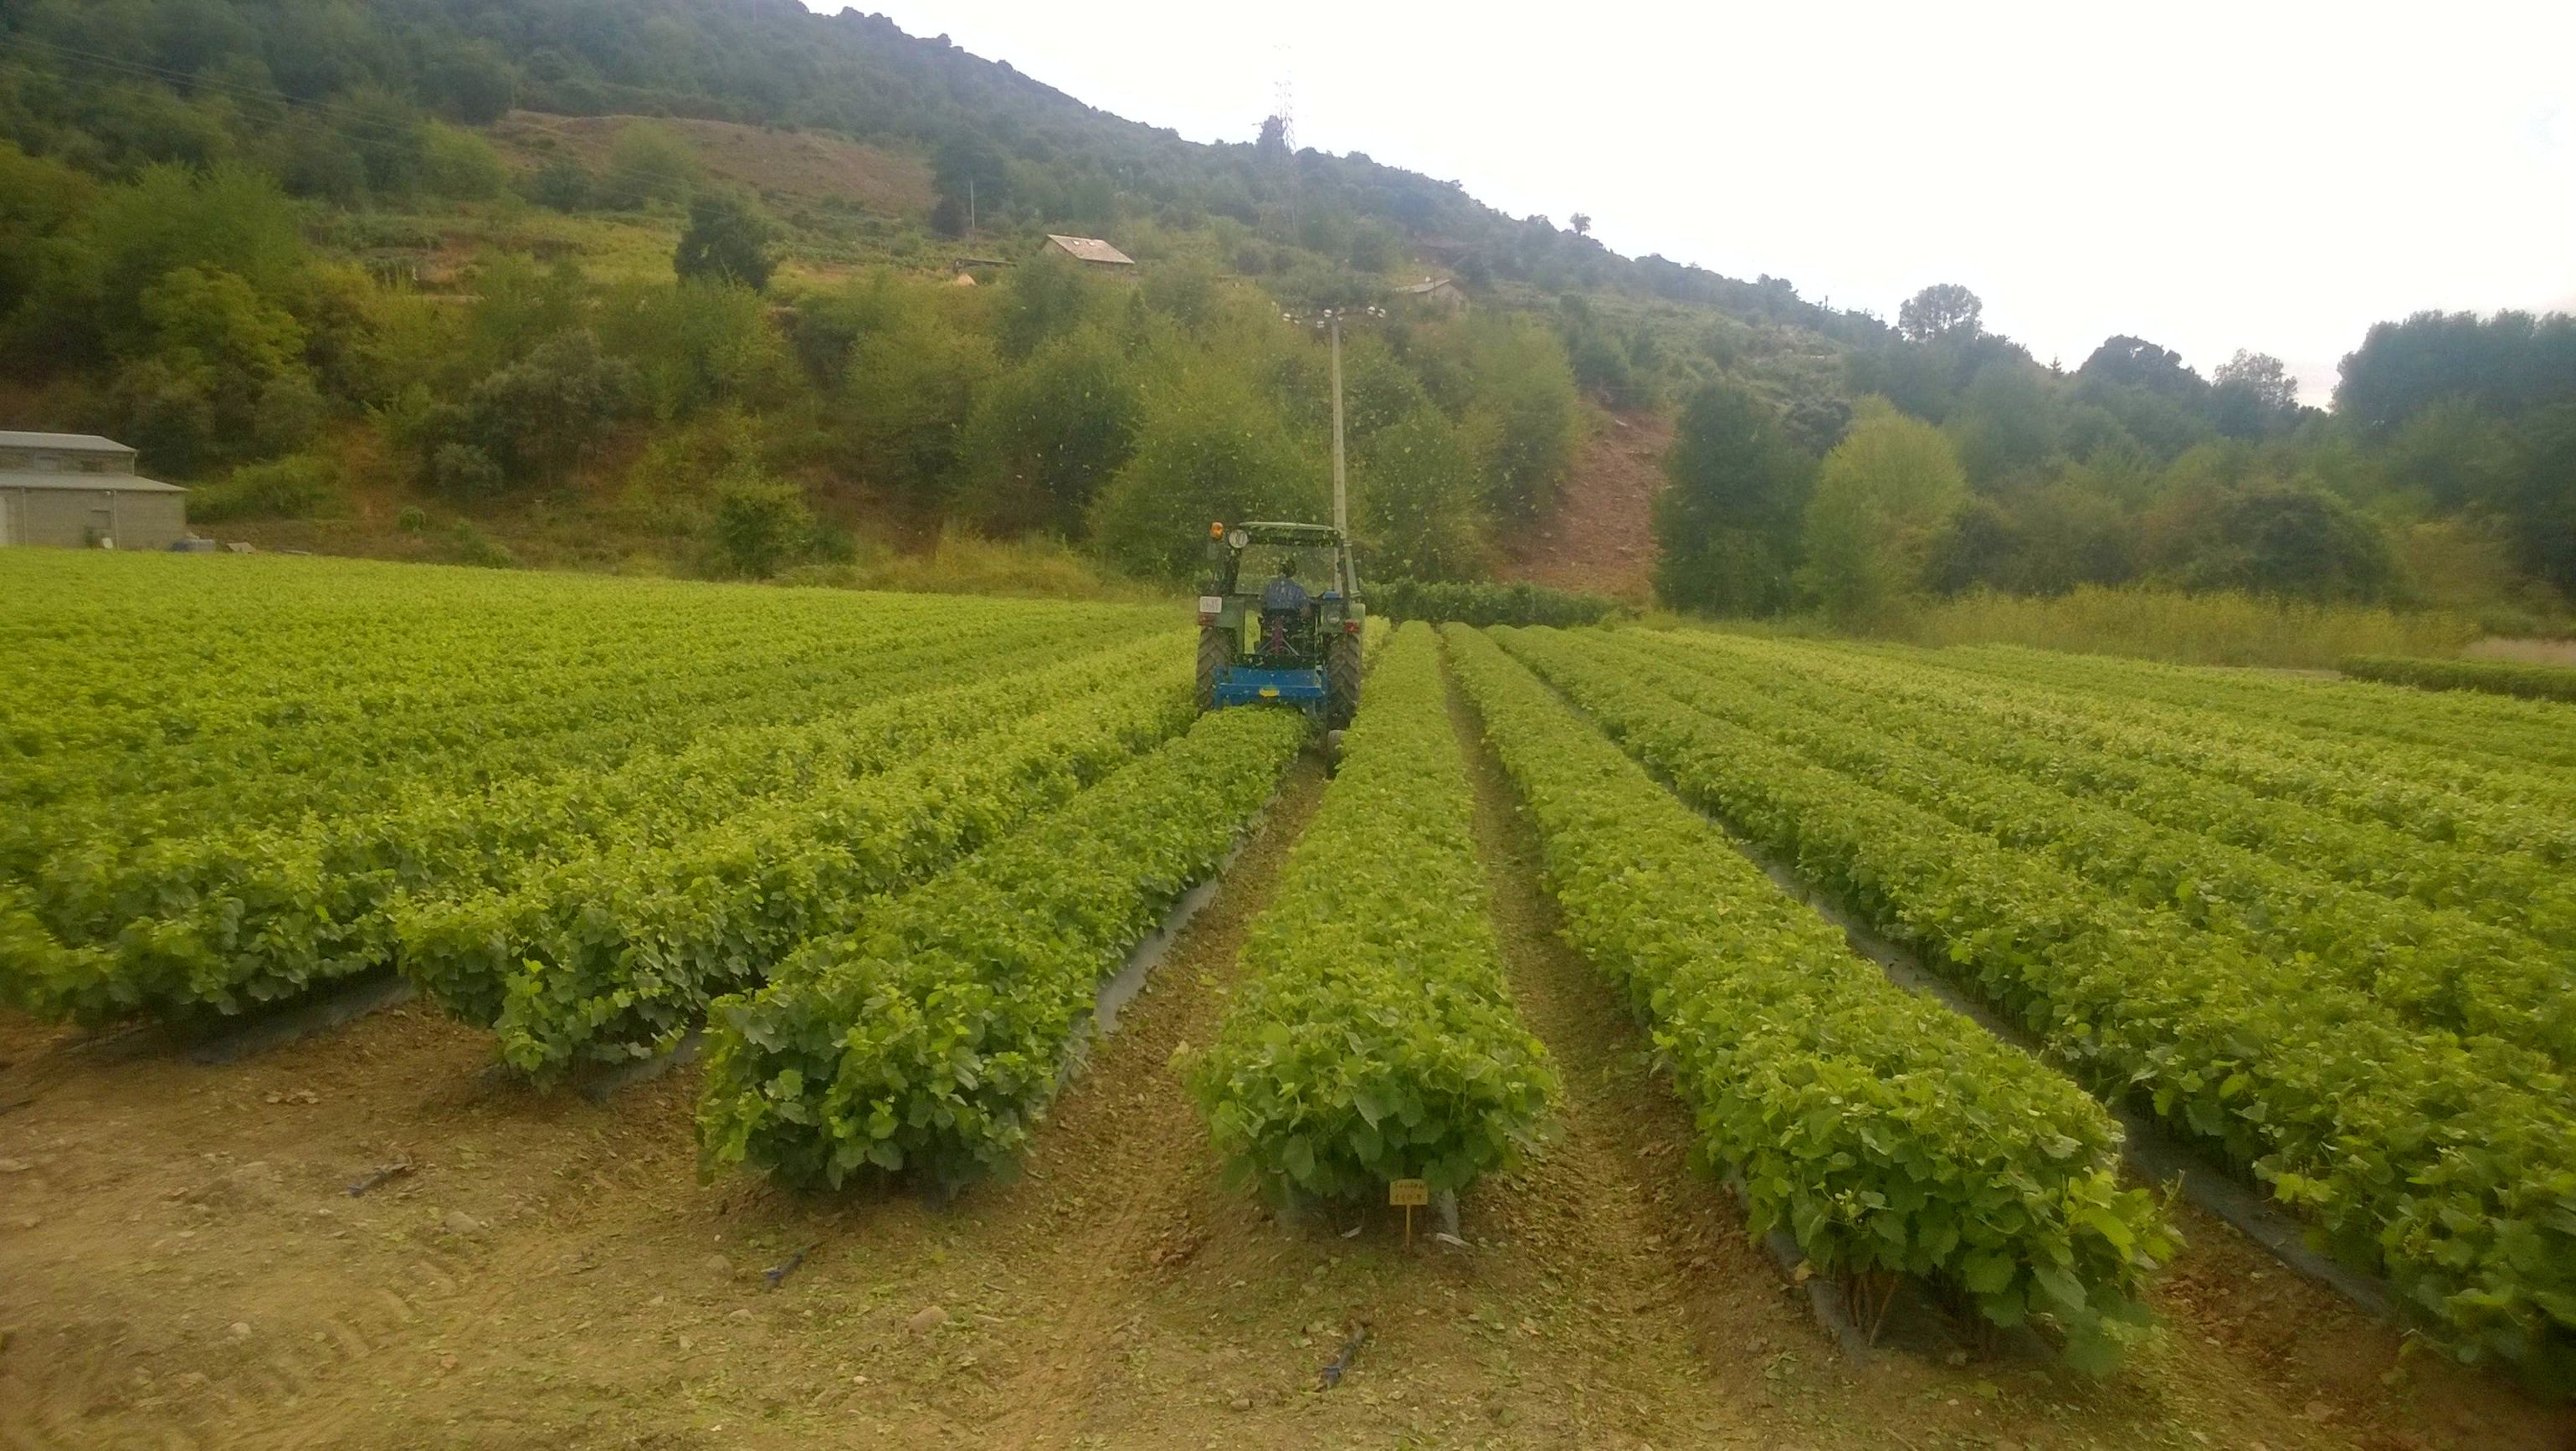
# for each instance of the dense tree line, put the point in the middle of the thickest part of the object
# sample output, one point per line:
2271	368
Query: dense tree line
2446	473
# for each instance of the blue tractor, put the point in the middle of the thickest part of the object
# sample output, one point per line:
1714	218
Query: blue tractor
1279	621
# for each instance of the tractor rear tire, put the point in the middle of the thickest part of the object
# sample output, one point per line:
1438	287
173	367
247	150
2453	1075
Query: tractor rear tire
1342	682
1215	653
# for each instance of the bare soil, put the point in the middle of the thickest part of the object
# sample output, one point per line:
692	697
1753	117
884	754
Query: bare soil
2524	652
801	164
1601	536
182	1265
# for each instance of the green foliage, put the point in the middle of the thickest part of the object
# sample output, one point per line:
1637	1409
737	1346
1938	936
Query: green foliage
461	165
2493	677
589	732
1210	449
39	199
2319	1085
1883	1132
2206	629
927	1040
221	377
624	954
302	487
1375	1040
1509	385
88	295
2508	364
2274	539
1047	297
534	418
727	242
1942	310
1470	603
692	346
1728	521
912	376
648	164
1884	502
1049	433
1414	502
759	523
561	183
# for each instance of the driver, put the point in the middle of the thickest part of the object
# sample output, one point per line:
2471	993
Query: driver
1283	604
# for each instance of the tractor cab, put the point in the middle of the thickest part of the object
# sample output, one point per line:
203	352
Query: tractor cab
1279	621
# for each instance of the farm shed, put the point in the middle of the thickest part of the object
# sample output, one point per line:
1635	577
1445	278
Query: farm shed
76	491
1090	251
1438	292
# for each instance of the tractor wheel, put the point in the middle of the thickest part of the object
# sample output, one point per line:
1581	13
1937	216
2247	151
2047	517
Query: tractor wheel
1342	682
1215	653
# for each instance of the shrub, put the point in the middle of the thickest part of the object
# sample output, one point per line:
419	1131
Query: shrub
1444	602
647	164
1210	451
460	165
2494	677
759	522
289	488
469	545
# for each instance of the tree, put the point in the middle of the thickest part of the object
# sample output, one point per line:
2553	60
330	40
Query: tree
1884	503
1046	436
970	179
224	378
561	184
534	418
1727	524
1414	501
2276	538
1582	224
760	522
2262	376
2510	363
646	164
2252	395
1942	310
727	242
473	86
1047	298
2137	363
1211	449
1273	143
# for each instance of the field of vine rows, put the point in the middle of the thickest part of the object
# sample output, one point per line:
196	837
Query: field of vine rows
456	1007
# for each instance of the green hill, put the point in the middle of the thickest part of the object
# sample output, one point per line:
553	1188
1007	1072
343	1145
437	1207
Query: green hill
673	284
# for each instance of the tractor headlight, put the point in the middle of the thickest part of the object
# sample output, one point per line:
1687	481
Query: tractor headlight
1238	538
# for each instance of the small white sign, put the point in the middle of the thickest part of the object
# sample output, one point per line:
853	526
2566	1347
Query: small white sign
1211	604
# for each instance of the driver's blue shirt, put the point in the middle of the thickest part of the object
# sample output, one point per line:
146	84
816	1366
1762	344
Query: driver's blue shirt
1283	595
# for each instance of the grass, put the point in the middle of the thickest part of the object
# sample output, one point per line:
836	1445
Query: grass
965	564
2201	629
2149	624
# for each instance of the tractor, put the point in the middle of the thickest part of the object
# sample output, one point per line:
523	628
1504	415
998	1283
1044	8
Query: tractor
1279	622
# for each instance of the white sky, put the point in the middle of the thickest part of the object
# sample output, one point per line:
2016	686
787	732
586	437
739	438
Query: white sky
2274	176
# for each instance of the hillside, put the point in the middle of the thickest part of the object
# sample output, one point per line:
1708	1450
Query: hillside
671	285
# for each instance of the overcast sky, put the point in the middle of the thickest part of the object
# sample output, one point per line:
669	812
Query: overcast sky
2207	175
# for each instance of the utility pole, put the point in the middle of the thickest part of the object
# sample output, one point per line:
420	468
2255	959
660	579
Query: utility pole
970	206
1341	496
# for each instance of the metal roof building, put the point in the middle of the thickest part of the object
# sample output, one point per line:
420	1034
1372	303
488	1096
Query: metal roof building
77	491
1091	250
